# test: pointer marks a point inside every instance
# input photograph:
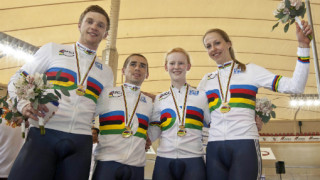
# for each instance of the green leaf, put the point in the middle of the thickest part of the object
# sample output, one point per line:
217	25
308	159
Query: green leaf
274	26
265	119
57	93
44	79
292	21
51	97
273	114
9	115
287	3
5	104
293	12
64	91
286	27
280	15
44	100
58	74
35	104
285	18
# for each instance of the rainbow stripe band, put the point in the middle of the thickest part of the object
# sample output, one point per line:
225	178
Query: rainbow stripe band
167	119
112	123
94	89
214	99
225	65
304	60
143	126
194	118
275	83
67	78
24	74
243	96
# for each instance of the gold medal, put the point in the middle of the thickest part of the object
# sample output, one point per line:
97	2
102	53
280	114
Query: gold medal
127	133
225	108
182	131
80	91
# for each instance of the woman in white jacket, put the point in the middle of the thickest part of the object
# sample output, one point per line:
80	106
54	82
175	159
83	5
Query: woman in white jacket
178	118
233	148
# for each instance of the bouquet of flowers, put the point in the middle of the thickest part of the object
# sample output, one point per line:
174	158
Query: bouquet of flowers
33	88
288	12
10	113
264	109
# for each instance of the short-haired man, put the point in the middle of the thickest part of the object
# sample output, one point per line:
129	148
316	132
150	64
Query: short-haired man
64	152
124	113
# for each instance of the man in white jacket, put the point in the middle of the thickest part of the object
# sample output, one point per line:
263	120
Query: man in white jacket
64	152
124	114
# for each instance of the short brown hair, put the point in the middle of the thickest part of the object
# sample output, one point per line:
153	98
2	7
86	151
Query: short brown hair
135	54
97	9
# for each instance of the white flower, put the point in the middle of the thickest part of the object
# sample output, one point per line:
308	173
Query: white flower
296	3
38	81
286	11
281	5
264	105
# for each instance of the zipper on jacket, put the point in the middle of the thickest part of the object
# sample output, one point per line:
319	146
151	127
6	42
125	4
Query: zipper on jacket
74	115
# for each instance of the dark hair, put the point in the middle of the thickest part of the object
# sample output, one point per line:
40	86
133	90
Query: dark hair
94	128
135	54
226	38
97	9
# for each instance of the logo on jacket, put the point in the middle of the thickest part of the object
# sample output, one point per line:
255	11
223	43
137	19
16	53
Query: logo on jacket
237	71
66	53
98	65
143	99
164	95
194	92
115	94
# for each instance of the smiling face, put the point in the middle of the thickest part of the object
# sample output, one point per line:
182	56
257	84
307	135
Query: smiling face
217	47
177	66
136	70
93	28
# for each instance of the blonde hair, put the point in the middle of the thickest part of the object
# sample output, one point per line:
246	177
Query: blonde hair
226	38
180	50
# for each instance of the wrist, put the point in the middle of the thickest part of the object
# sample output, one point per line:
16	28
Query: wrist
303	45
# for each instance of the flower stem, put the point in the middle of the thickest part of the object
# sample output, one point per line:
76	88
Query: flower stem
41	125
23	128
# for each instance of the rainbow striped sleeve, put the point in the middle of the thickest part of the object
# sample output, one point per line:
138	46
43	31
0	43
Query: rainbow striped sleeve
275	83
143	126
214	99
24	74
112	123
194	118
305	60
243	96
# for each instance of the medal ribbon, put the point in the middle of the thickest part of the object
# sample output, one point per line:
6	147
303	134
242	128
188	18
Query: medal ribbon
79	75
221	91
126	107
181	120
